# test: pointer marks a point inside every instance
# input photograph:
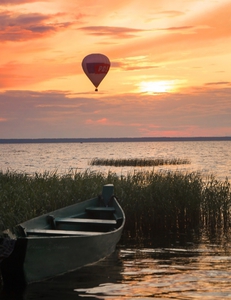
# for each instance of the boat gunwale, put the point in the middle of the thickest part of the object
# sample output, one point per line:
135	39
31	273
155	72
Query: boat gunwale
45	236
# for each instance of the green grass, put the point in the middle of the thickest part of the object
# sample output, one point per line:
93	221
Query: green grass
153	202
137	162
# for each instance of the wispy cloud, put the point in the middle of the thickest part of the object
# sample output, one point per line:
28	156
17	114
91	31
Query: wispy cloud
21	27
182	29
171	13
126	32
17	2
219	83
177	28
115	32
129	66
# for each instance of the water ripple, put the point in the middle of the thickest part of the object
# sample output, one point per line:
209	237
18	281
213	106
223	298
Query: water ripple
183	274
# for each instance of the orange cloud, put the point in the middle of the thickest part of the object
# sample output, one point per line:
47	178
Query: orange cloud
13	74
171	13
200	29
3	120
103	121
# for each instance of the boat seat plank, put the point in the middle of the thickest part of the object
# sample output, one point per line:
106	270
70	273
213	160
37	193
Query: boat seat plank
61	232
100	209
89	221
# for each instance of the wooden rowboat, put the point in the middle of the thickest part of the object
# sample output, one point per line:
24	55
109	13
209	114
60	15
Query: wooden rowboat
65	239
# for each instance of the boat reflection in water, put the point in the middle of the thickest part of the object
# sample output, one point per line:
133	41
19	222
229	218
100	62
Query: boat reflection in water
187	270
76	284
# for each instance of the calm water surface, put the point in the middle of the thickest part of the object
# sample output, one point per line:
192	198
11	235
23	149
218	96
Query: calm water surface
189	271
179	268
206	157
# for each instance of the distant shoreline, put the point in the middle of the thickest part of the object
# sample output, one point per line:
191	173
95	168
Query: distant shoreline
112	140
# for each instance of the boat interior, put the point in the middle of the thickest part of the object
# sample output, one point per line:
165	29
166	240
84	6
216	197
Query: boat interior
93	220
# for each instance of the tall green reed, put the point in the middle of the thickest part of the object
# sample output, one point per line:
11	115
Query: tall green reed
137	162
152	201
23	196
216	203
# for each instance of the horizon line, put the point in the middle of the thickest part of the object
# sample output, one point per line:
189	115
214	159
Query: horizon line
111	139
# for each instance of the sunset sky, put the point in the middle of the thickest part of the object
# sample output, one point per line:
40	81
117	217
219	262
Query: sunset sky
170	72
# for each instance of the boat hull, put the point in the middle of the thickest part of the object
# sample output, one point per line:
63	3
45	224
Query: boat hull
84	233
59	255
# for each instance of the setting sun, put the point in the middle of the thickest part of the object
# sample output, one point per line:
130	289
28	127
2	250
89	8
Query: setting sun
156	86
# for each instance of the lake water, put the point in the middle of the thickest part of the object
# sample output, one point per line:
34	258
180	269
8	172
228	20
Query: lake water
206	157
183	271
171	267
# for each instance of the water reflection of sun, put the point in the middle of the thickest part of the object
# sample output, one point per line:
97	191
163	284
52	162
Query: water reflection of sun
151	87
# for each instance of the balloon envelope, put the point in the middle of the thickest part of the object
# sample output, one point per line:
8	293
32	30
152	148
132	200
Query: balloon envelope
96	67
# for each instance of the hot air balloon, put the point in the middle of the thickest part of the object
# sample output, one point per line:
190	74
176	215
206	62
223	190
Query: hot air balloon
96	67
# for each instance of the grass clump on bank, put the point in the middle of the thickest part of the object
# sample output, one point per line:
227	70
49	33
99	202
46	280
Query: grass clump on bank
138	162
152	201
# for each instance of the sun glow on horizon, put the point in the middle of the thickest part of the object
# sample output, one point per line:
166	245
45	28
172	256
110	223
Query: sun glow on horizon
151	87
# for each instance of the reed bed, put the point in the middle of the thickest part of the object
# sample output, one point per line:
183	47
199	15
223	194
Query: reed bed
138	162
153	202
